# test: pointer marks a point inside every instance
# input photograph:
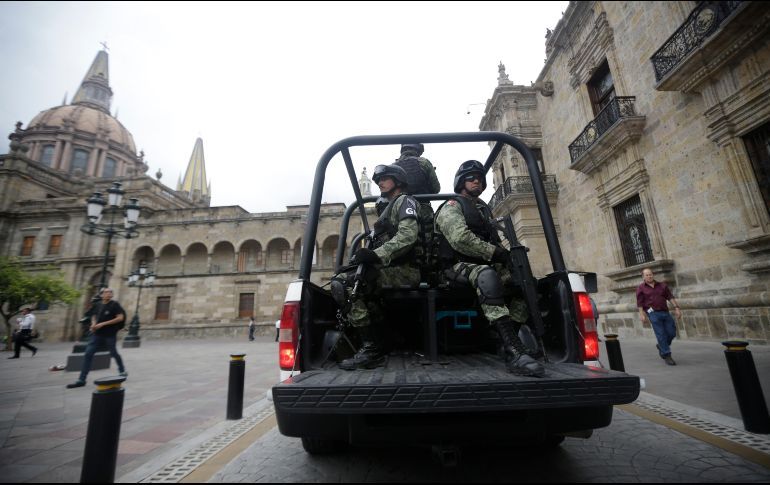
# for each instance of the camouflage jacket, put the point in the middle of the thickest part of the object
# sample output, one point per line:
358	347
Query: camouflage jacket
450	222
403	216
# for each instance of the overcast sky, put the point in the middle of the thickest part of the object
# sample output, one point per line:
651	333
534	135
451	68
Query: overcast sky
270	86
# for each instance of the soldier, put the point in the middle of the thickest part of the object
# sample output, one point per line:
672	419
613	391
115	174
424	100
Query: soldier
470	251
422	179
390	261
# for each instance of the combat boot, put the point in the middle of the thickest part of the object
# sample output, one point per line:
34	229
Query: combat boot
368	356
516	358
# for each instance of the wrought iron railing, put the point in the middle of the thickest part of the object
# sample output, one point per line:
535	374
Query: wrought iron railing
700	24
520	185
619	107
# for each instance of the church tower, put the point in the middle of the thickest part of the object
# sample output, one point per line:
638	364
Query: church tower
95	90
365	184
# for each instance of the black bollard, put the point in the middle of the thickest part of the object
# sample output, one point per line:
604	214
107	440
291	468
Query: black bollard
235	386
101	452
751	401
613	352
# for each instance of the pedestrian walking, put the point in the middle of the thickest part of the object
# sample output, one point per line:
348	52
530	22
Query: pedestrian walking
23	334
252	325
277	329
105	322
651	300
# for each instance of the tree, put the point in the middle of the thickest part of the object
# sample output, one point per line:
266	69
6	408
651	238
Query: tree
19	289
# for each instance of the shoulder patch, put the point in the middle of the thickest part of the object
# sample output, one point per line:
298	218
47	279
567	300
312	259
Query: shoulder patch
408	208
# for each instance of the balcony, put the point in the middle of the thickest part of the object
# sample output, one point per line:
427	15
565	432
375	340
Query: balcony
521	186
613	127
713	34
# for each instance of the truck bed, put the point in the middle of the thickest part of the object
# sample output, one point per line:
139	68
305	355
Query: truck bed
469	382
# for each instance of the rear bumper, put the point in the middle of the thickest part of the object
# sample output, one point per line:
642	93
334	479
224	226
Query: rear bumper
294	398
460	411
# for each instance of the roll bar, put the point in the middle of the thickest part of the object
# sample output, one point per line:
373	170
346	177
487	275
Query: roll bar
343	146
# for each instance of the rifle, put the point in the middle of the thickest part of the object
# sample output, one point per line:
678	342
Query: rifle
521	273
361	269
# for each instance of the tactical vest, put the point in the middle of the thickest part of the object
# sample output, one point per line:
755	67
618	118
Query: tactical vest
478	222
383	230
415	176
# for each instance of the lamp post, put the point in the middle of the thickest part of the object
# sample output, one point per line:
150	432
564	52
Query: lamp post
137	278
97	208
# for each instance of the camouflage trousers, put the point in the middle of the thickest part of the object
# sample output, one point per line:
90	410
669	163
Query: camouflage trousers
517	307
367	306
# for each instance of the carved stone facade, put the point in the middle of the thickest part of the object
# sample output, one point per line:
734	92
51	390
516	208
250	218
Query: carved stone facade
658	173
214	265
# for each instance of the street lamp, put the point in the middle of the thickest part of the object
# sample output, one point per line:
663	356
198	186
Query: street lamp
97	208
140	278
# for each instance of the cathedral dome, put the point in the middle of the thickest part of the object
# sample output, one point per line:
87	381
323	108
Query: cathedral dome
86	120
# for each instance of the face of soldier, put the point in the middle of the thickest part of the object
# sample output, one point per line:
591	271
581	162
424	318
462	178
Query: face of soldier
386	185
473	185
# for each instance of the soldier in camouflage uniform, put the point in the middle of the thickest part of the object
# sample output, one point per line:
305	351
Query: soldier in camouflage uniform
422	179
470	251
391	262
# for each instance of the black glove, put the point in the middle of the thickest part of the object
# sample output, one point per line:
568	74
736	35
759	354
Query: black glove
365	255
500	256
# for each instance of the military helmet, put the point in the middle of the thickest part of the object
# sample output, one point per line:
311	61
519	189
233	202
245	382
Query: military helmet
467	168
418	147
397	173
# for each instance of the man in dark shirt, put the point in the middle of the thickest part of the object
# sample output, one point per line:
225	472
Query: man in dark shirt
651	300
105	320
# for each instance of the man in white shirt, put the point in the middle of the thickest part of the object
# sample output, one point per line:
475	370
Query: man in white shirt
24	333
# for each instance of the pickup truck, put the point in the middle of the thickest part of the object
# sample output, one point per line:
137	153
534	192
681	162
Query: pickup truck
443	384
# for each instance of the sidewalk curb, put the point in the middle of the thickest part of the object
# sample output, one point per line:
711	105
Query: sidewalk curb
150	471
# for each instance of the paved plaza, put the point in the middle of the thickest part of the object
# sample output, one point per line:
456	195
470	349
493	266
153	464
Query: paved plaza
174	427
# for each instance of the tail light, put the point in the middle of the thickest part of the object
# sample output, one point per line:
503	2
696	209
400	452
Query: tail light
287	335
587	326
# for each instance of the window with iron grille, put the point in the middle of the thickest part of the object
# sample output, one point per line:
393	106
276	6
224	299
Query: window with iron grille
758	146
27	244
633	232
601	88
162	306
246	305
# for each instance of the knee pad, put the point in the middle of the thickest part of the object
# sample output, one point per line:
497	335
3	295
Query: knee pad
490	287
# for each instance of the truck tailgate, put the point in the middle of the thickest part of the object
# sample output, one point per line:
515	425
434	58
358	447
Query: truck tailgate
457	383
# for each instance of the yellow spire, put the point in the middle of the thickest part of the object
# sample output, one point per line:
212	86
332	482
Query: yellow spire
194	181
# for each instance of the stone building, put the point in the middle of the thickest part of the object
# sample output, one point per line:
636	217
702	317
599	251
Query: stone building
215	266
651	122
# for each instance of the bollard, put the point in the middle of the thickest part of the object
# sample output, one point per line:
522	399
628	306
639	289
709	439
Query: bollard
101	452
751	401
614	356
235	386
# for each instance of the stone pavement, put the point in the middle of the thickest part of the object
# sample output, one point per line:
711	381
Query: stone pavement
176	392
176	395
